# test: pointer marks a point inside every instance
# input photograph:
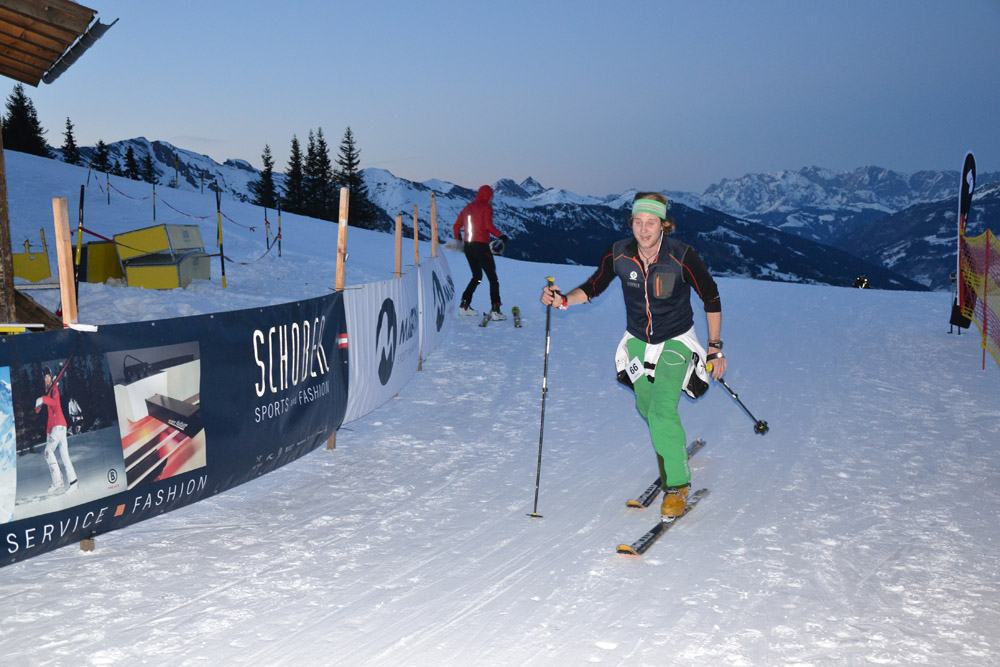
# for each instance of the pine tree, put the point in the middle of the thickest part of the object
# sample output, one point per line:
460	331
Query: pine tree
149	174
318	178
263	190
21	129
362	212
102	158
293	199
131	166
308	178
70	151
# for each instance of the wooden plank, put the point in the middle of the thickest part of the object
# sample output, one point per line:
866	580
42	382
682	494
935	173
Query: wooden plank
21	72
32	31
29	310
59	13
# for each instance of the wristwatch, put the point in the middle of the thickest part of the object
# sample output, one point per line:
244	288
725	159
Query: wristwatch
717	344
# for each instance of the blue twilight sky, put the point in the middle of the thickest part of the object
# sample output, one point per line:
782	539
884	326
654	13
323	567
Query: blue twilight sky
591	96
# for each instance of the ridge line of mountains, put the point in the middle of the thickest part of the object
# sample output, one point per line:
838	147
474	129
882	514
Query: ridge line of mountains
812	225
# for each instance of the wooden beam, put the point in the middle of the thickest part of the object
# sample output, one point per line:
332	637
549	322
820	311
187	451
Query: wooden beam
20	72
7	311
24	41
31	312
35	32
59	13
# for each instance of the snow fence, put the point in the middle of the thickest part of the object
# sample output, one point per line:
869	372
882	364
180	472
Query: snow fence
148	417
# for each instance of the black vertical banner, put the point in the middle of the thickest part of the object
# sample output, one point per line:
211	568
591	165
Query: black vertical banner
100	430
967	186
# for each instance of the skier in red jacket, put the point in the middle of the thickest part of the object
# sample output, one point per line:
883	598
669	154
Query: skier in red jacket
474	227
56	429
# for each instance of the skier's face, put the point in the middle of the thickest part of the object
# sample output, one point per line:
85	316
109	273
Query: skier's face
647	230
48	380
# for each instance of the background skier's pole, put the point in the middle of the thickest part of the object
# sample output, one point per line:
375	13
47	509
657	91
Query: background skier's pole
545	389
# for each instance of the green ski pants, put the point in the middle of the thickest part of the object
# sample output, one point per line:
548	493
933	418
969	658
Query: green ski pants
657	403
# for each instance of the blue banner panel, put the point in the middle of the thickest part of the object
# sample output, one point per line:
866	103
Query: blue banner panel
100	430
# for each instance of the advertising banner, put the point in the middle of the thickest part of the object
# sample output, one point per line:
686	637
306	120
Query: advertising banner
100	430
437	303
383	327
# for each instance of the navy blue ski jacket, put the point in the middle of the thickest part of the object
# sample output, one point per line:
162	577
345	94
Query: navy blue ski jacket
657	300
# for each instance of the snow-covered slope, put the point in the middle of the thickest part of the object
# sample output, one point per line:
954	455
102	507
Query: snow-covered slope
860	530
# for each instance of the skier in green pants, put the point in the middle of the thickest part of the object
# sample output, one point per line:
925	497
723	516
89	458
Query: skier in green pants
657	273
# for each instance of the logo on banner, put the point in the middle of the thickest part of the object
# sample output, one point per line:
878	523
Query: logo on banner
385	340
443	294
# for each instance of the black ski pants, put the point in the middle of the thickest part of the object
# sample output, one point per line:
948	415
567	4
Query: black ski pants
481	260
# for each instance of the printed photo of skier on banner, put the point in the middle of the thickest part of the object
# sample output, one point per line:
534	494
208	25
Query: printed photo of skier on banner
8	448
58	467
158	397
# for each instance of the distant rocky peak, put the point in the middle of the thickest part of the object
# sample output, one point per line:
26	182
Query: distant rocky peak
532	187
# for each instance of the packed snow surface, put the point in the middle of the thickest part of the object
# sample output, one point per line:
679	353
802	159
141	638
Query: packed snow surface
862	529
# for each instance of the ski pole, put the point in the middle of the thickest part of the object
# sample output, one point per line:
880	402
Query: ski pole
545	390
759	426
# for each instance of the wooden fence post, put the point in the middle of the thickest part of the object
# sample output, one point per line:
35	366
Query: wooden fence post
342	239
399	246
434	227
416	237
64	260
345	200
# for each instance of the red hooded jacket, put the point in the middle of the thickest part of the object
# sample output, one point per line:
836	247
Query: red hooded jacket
475	222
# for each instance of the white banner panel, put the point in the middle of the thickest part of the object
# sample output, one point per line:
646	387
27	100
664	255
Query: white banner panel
383	325
437	303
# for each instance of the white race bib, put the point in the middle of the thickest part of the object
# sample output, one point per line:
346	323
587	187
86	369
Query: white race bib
635	369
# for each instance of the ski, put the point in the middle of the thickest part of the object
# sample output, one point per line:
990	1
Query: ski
63	491
640	546
486	319
516	312
646	498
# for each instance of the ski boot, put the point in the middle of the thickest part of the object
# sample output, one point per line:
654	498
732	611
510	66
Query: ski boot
674	501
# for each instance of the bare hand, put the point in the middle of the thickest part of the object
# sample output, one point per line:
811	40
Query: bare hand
551	296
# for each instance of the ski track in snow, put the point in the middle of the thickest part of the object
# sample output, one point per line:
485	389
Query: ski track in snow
858	531
861	530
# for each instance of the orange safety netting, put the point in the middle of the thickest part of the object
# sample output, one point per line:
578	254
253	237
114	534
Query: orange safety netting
980	287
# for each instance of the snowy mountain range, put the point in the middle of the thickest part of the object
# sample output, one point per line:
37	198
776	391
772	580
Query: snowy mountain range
812	225
823	205
920	241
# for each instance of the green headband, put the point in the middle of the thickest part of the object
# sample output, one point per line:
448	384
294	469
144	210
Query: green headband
658	209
